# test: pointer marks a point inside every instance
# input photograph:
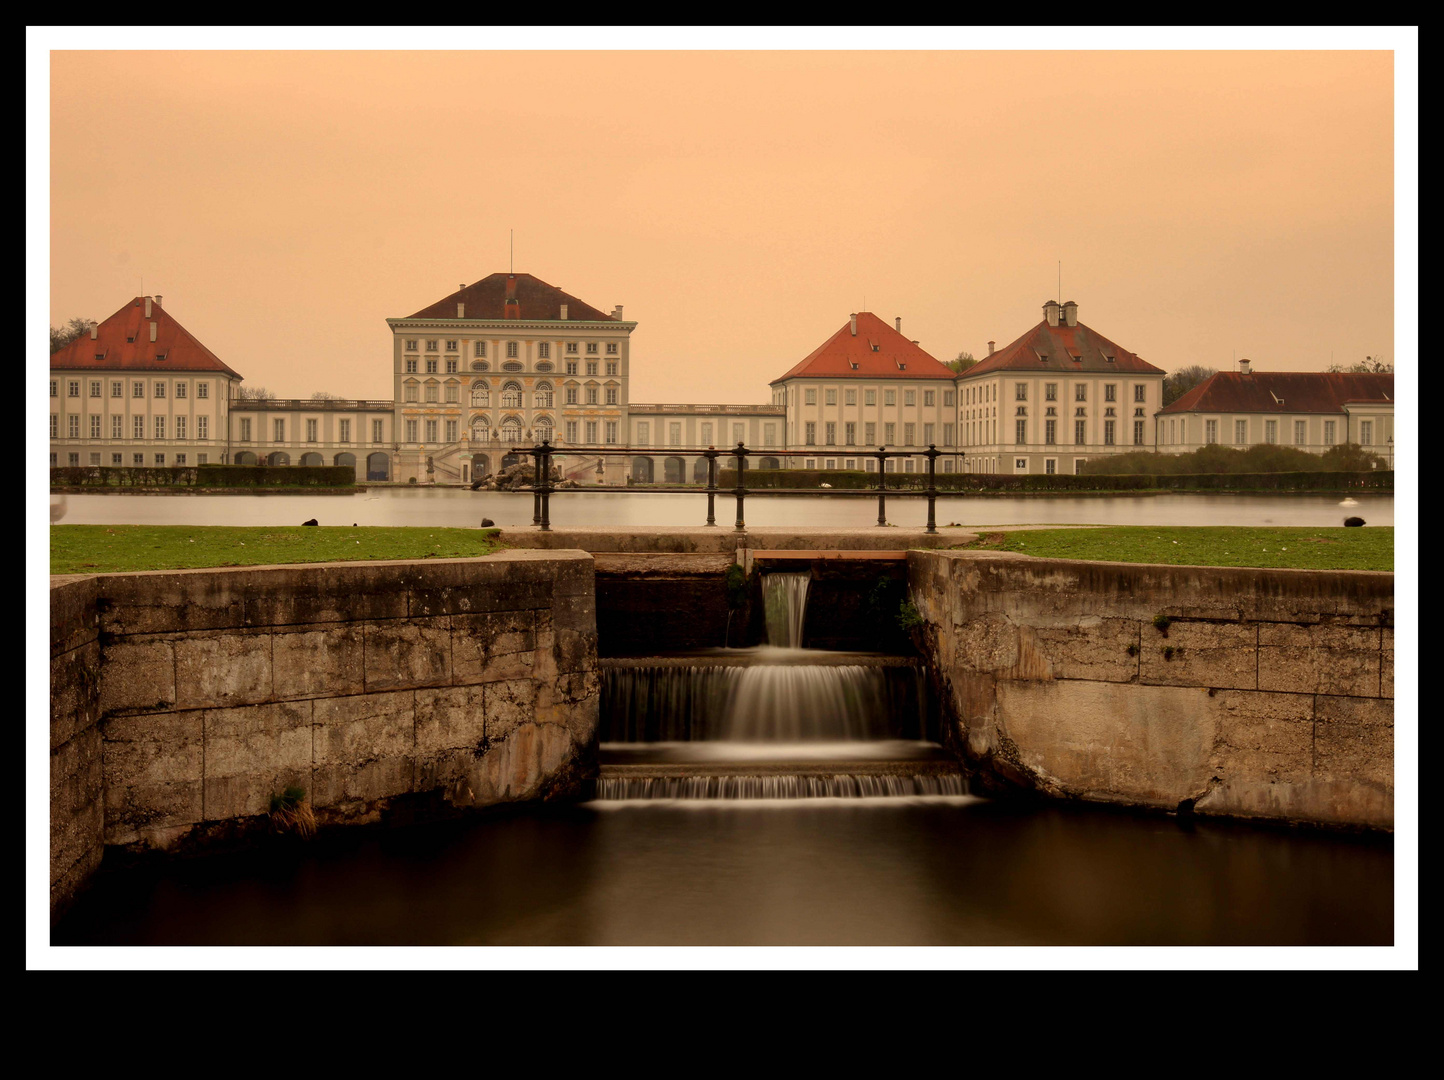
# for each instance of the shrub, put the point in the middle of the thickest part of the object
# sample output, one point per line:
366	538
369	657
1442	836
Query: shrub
291	813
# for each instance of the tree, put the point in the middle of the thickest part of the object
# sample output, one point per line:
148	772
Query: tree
1370	365
64	335
1351	457
962	362
326	395
254	393
1180	382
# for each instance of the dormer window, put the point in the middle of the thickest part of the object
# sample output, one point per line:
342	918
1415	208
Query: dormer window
160	356
901	366
1109	359
853	363
130	341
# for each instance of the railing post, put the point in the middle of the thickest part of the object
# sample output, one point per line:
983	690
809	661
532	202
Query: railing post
932	488
711	485
546	488
536	456
741	455
881	486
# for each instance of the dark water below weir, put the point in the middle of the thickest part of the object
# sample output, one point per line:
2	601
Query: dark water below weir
801	872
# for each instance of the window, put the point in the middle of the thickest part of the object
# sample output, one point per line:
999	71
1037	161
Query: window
591	348
1050	431
869	433
180	427
117	389
408	393
948	397
116	459
591	395
571	348
544	350
1328	433
611	395
411	365
829	396
1210	431
889	434
431	346
95	388
1366	433
611	367
137	459
948	434
180	389
909	434
378	431
571	367
609	431
571	431
1080	392
1020	392
1020	433
479	349
54	387
431	365
611	348
245	429
929	397
1080	432
1140	393
430	431
591	433
451	346
410	344
869	397
889	397
849	434
809	397
432	392
674	434
160	389
830	434
201	459
811	439
1050	465
769	434
927	434
203	427
137	389
849	396
910	397
1110	392
160	427
453	393
1020	464
1108	427
1138	433
1300	432
279	429
571	395
411	431
74	459
180	459
452	365
591	367
54	426
1050	391
310	430
511	350
1271	431
72	388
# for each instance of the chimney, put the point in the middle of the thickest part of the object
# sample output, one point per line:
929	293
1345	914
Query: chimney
461	286
1243	367
157	299
854	323
94	331
564	311
898	324
991	346
1050	312
152	331
460	310
147	309
617	312
1070	313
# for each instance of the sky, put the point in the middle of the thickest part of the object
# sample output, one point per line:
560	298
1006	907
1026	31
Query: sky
1203	205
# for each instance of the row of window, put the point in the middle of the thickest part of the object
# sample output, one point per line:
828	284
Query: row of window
674	433
511	397
135	459
180	428
117	388
413	366
543	348
1177	432
869	434
870	464
869	397
343	430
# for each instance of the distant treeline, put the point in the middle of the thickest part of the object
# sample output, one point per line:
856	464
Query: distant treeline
848	479
202	476
1263	458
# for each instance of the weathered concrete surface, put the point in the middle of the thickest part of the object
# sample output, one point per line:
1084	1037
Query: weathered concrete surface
724	539
1256	693
76	781
184	700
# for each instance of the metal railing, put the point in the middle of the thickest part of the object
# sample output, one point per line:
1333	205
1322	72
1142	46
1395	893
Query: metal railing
543	489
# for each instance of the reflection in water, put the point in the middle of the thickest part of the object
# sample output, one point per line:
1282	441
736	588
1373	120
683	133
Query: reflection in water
882	872
459	507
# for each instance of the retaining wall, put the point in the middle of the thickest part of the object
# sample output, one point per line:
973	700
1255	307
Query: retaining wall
1256	693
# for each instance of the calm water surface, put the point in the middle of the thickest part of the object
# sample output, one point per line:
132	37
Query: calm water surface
458	507
947	871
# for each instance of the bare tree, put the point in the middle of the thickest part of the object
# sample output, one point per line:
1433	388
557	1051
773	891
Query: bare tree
326	395
63	335
1180	382
254	393
1370	365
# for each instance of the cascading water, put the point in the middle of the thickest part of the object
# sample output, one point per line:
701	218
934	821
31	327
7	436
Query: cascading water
776	721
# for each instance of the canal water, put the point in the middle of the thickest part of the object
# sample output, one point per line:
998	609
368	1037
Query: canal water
460	507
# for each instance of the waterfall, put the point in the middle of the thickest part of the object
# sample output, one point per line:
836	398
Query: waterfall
784	599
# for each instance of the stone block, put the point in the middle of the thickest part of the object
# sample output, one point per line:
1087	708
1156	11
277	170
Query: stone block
987	642
252	753
449	718
154	773
491	646
1264	737
1386	664
76	801
407	652
74	613
322	659
518	768
1354	740
328	593
363	748
1319	658
74	692
223	668
1094	648
490	593
576	612
172	601
1208	654
508	705
137	673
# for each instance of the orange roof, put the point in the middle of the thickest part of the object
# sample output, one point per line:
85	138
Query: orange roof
876	351
122	343
1068	349
1285	392
512	296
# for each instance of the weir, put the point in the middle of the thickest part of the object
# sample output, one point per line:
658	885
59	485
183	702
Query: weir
776	721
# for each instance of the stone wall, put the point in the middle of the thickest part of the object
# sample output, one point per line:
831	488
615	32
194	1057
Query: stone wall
1256	693
473	680
76	813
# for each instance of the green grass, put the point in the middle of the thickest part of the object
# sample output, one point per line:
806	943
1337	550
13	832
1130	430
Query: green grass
94	549
1306	549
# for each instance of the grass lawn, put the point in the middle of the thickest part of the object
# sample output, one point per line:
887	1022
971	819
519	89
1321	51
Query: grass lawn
1305	549
94	549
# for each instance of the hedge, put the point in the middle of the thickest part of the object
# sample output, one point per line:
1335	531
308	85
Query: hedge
202	476
761	479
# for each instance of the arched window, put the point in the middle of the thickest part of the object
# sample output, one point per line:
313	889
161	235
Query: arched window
511	396
480	395
543	397
481	429
511	429
543	429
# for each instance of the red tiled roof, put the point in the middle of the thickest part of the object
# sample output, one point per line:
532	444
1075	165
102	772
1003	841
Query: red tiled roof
875	352
1068	348
512	296
123	344
1284	392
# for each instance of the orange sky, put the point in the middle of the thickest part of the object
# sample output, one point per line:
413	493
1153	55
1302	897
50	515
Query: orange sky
739	205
